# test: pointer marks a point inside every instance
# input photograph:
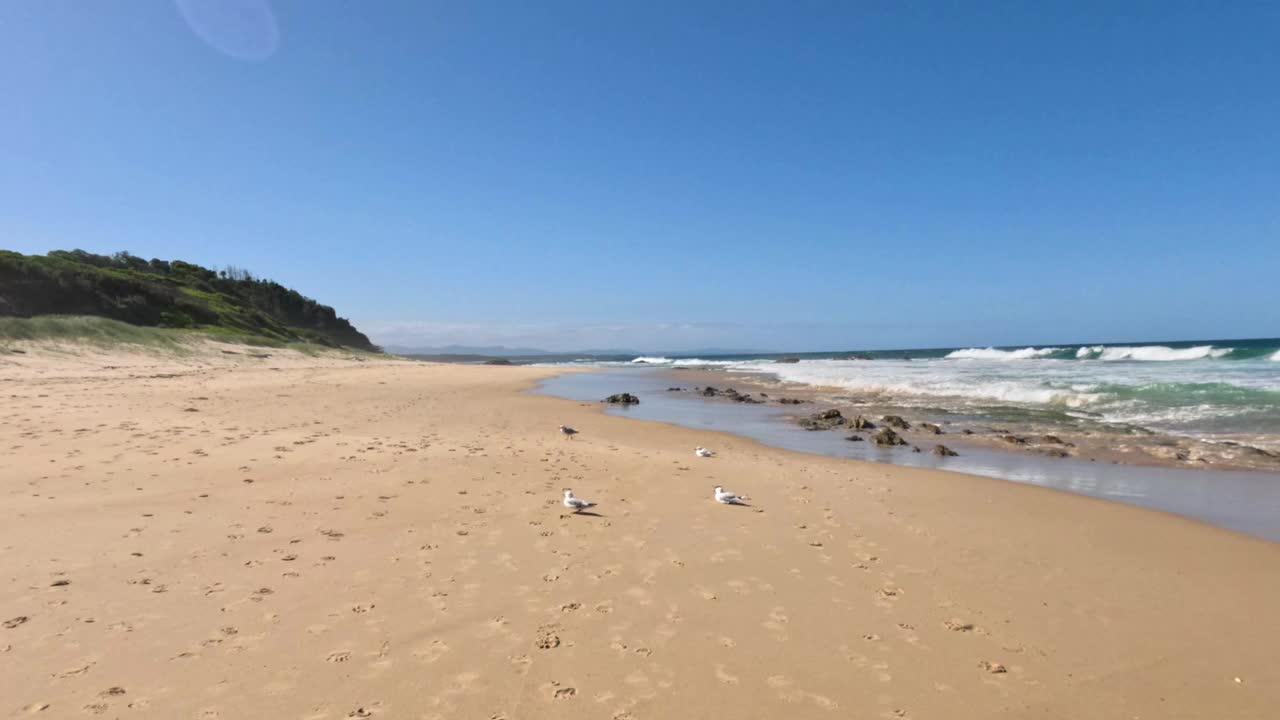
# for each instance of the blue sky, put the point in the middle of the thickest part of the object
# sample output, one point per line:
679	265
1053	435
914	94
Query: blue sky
671	175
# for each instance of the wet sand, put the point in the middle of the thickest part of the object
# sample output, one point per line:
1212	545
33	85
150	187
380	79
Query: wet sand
293	537
1243	500
1010	430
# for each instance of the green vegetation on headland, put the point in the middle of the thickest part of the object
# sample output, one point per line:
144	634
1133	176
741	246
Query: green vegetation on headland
228	304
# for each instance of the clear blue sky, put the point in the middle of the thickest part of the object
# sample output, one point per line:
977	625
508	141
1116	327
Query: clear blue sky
666	175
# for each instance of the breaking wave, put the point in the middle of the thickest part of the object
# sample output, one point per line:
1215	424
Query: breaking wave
1151	353
997	354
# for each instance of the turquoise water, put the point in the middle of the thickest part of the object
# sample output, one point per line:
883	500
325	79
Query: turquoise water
1247	501
1212	390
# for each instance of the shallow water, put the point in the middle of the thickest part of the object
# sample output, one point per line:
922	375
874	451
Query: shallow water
1240	500
1211	390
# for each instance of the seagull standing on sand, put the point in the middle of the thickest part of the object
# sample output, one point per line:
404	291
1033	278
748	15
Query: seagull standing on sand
568	431
703	452
724	497
575	504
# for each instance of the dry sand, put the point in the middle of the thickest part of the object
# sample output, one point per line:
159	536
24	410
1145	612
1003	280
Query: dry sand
293	537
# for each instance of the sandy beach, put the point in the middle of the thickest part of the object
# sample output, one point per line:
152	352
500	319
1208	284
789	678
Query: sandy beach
275	535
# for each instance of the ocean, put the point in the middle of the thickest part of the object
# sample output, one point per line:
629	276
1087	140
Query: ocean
1209	390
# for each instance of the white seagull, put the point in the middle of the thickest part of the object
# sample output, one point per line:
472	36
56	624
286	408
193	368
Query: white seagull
703	452
576	504
568	431
724	497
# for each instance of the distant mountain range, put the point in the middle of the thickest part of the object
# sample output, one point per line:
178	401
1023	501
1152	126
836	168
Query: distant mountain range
509	352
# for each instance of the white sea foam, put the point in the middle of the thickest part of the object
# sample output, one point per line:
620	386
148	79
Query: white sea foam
1154	353
1134	384
995	354
683	362
931	380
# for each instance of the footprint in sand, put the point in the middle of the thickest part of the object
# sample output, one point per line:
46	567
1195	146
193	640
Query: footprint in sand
724	676
340	656
435	650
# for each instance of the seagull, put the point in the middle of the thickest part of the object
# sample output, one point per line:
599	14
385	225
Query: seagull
575	504
568	431
703	452
724	497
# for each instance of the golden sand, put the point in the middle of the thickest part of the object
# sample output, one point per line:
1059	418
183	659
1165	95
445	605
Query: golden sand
227	536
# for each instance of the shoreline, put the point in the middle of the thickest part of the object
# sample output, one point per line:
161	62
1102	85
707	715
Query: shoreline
1137	447
1246	501
385	539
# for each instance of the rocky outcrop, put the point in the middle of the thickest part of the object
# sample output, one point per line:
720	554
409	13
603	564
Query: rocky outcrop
824	420
736	396
1013	439
896	421
622	399
855	438
887	438
931	428
709	391
944	451
861	423
791	401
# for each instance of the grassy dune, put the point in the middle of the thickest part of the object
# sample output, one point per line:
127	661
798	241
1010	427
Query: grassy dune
107	333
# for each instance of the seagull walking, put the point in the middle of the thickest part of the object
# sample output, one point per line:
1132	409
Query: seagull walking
568	431
703	452
724	497
574	503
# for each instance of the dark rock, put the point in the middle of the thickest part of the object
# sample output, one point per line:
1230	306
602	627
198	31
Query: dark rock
915	449
931	428
944	451
887	438
788	360
744	398
861	423
1054	439
896	421
792	401
498	361
18	352
709	391
622	399
675	389
824	420
1013	439
966	431
1056	452
764	395
855	438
